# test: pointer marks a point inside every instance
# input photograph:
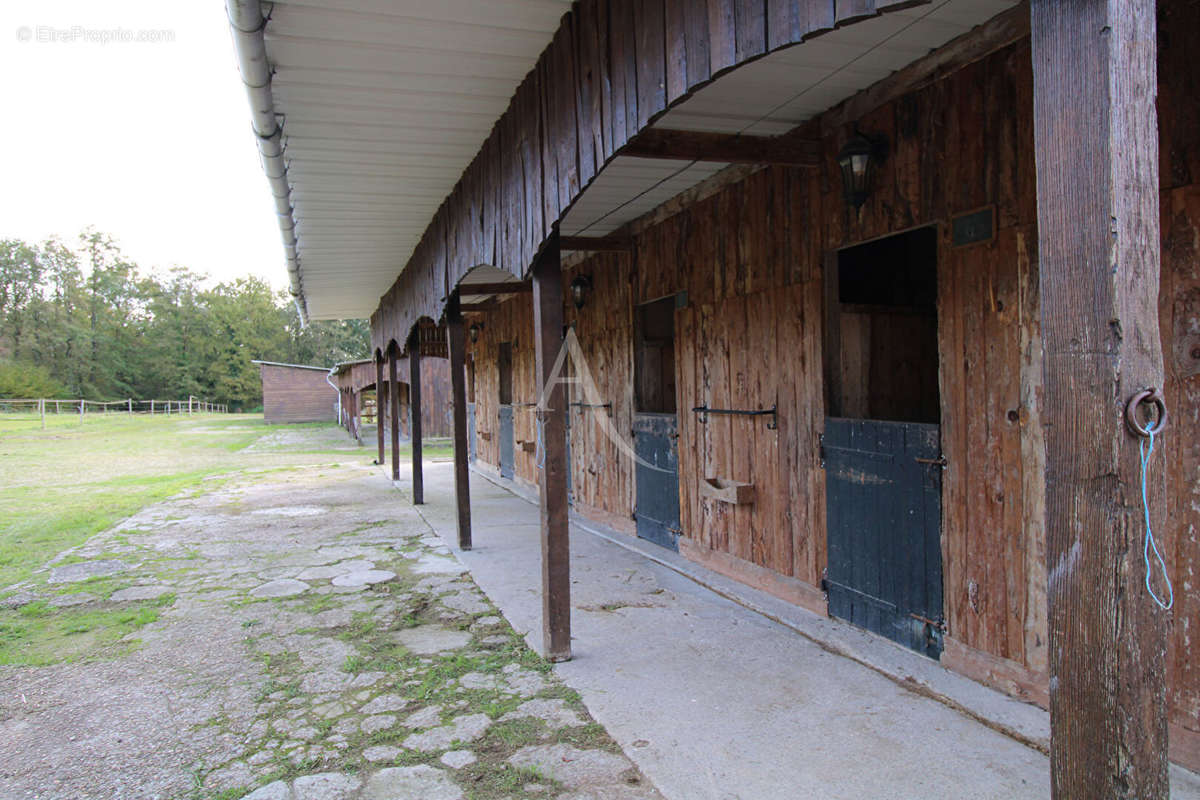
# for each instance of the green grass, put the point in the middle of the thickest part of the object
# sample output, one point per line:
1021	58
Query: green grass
64	484
36	634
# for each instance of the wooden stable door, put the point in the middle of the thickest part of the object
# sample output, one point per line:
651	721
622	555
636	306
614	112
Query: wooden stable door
884	494
882	443
655	424
505	431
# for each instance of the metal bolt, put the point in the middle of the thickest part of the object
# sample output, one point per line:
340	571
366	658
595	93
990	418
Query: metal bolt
1196	352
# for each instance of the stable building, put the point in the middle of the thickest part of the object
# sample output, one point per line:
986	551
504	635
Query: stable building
364	398
872	305
297	393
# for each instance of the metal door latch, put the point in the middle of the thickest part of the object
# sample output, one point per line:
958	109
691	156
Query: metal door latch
940	461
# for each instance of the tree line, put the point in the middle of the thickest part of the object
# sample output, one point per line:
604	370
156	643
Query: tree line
88	322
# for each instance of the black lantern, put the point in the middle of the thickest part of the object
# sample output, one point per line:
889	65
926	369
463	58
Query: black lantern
473	331
857	161
581	287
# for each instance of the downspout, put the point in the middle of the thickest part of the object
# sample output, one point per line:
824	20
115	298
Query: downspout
329	375
246	23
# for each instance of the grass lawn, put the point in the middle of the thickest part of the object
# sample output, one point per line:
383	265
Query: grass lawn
61	485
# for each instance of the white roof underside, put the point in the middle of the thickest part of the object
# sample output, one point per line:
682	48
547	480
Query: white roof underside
385	103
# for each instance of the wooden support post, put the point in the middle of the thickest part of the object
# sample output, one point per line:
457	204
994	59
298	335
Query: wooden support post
456	344
552	478
1096	145
379	396
81	402
130	401
42	409
414	415
394	401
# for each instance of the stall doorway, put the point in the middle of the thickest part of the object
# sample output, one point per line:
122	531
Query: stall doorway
882	442
655	423
469	366
504	361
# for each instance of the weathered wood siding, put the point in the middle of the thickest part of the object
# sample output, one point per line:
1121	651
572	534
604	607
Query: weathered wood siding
957	145
511	322
612	67
436	399
1179	318
297	394
602	480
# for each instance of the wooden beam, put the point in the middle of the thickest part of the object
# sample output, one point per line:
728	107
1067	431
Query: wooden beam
596	244
414	416
552	478
1000	31
479	308
1096	148
380	394
724	148
474	289
394	402
456	339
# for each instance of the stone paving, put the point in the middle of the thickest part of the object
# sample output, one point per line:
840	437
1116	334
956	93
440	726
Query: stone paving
322	644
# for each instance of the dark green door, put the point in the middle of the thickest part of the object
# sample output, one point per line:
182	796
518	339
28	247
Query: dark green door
884	508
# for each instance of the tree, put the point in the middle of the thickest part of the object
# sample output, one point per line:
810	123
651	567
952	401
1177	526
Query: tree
101	328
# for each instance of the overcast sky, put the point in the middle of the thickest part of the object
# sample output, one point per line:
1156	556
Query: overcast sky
148	141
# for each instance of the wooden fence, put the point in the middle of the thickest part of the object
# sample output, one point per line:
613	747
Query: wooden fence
40	407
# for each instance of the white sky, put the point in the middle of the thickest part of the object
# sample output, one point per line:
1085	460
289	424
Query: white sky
149	142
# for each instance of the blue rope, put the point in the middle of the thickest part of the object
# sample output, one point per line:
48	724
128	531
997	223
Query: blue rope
541	447
1150	544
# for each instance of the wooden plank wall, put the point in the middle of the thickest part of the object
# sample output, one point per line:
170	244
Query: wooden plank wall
601	470
612	67
957	145
1179	318
754	303
511	321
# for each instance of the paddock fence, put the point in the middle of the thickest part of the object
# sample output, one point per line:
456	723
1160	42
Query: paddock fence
24	409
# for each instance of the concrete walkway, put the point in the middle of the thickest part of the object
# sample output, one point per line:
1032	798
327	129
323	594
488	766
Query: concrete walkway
714	700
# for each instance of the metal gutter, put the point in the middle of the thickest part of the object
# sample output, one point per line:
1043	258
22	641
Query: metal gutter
246	23
295	366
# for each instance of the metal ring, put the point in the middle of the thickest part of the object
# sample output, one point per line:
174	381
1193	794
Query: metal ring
1151	395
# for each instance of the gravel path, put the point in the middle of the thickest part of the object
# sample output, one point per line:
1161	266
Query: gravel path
319	644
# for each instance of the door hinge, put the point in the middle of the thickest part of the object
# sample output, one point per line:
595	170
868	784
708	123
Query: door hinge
821	450
938	624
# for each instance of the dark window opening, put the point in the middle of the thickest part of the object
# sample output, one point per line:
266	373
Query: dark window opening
505	365
654	356
470	367
887	330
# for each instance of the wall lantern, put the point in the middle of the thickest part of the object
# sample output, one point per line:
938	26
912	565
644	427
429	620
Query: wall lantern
581	287
473	331
857	160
